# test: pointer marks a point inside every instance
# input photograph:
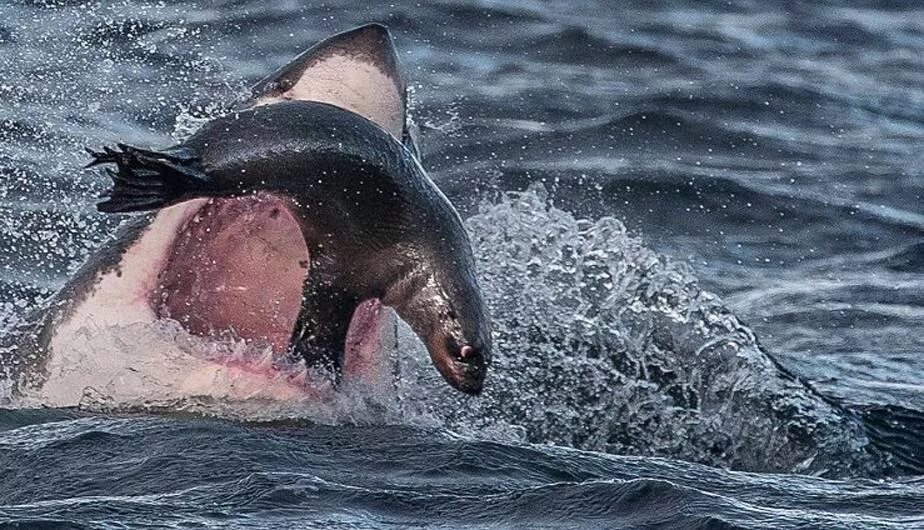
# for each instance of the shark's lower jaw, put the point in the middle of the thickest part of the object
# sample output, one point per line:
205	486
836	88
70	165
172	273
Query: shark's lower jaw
227	275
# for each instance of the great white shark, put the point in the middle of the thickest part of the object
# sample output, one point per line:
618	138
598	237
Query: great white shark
301	225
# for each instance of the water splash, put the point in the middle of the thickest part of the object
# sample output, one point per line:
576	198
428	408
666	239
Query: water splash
160	367
604	344
191	118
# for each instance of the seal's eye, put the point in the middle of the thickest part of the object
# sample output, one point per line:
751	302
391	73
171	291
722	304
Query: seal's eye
452	348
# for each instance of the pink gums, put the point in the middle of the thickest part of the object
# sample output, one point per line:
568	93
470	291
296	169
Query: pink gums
237	268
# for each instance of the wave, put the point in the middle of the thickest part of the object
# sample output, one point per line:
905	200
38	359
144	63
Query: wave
211	472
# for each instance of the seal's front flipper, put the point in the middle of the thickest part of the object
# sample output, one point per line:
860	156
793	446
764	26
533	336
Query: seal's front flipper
324	321
148	180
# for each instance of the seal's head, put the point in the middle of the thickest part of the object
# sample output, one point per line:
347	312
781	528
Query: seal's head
447	312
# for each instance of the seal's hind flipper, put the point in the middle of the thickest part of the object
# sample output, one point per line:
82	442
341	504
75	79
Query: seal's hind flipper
147	180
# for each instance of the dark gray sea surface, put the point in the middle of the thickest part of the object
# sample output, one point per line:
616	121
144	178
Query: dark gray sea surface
698	225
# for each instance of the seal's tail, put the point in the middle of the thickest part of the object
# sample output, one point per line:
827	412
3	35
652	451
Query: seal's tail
147	180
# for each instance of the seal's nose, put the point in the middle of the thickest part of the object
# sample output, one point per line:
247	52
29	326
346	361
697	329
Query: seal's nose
463	367
470	370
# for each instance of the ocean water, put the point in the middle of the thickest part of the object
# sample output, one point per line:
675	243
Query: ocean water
698	226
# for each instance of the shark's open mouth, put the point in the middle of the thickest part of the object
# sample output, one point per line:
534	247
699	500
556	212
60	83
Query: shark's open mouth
236	267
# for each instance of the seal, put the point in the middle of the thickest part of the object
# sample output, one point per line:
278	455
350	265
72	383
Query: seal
302	220
375	226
